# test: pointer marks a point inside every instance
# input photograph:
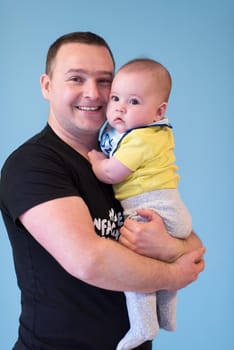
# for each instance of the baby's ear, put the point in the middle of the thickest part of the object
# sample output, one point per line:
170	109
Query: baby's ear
161	111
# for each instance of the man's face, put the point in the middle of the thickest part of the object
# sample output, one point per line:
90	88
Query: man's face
78	87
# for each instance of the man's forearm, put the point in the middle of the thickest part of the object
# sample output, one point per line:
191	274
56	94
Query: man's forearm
192	242
116	268
180	247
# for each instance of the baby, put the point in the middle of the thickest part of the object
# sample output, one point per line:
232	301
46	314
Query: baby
138	159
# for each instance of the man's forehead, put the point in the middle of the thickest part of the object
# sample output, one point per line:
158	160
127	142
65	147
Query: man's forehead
77	57
85	54
90	72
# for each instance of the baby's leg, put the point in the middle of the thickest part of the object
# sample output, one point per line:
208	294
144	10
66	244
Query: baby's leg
142	318
166	309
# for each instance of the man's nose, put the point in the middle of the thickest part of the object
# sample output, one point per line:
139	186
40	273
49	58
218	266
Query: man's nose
91	90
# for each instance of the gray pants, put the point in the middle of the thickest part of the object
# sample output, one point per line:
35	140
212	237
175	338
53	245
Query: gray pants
149	312
168	204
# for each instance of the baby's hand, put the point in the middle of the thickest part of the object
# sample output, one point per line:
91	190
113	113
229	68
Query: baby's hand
95	156
108	170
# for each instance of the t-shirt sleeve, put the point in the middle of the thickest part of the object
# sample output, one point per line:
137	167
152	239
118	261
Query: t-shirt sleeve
34	175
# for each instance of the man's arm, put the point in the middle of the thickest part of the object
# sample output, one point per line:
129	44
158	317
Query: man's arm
65	229
151	238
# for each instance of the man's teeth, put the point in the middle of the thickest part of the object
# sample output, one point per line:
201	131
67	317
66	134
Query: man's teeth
83	108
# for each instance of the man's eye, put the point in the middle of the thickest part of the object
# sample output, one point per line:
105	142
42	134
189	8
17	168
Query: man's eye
134	101
77	79
105	82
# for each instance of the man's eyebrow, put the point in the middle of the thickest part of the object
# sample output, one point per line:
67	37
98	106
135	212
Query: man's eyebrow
83	71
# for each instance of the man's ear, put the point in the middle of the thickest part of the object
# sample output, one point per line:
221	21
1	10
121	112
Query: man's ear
45	85
161	111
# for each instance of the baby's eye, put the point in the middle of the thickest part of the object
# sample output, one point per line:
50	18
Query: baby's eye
134	101
114	98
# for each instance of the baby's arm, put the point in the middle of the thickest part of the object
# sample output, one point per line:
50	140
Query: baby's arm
108	170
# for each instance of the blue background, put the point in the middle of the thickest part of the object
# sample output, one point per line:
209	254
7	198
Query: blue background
194	40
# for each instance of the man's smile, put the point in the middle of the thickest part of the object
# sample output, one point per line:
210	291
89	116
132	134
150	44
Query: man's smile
86	108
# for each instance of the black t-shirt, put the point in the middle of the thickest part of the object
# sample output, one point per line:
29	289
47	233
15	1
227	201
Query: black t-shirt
58	310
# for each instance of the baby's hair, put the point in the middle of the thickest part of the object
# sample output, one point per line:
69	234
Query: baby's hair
155	68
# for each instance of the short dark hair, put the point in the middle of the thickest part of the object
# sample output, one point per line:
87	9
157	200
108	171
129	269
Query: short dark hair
88	38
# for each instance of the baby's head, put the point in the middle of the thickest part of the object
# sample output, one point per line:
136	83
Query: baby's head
139	94
157	75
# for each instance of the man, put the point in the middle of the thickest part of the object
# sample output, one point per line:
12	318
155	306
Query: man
57	214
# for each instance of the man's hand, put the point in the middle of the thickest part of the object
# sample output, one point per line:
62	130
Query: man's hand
186	269
151	239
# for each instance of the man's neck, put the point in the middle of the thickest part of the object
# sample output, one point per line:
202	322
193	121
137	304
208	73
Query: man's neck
81	143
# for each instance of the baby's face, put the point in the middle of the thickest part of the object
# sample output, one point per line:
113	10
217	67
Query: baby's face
133	101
